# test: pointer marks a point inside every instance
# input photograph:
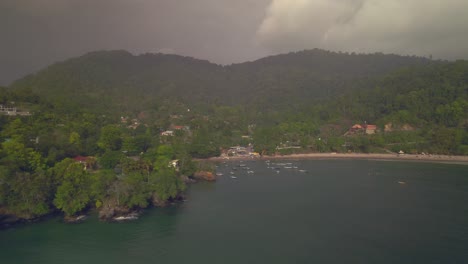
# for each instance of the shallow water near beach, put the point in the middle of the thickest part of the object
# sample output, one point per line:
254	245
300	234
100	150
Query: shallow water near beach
338	211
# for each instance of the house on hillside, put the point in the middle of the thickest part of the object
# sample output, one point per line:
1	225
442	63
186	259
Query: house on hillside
355	129
135	123
370	129
358	129
6	110
123	120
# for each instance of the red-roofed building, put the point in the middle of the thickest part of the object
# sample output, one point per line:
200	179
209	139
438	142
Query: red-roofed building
370	129
358	129
80	159
88	162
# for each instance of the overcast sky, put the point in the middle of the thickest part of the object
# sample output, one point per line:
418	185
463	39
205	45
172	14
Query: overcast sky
36	33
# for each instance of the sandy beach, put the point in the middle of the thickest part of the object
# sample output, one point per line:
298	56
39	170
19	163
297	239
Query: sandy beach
374	156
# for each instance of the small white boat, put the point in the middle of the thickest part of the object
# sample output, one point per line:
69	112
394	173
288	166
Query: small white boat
233	177
302	170
219	174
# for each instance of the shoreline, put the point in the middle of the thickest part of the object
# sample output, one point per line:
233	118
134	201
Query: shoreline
450	159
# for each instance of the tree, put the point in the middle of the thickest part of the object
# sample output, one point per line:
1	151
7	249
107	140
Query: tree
19	157
110	138
74	138
28	194
164	182
73	195
101	185
110	159
165	151
134	191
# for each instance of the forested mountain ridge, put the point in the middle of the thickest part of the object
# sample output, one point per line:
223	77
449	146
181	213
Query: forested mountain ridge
117	78
301	77
123	79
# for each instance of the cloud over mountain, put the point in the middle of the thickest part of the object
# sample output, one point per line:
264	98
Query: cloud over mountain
420	27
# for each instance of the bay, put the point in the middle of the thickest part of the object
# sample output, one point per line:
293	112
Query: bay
339	211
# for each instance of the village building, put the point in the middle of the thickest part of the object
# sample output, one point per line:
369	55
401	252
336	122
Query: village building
135	123
167	133
239	151
370	129
12	111
358	129
88	162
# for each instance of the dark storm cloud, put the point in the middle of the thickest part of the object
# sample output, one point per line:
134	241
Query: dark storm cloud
35	33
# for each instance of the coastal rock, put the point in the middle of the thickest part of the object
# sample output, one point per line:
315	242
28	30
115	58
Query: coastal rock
106	213
7	220
158	202
118	213
75	219
110	209
127	217
187	180
204	175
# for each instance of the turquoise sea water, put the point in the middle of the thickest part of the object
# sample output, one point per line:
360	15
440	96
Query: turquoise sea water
340	211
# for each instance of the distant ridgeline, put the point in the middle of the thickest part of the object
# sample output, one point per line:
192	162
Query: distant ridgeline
118	131
120	79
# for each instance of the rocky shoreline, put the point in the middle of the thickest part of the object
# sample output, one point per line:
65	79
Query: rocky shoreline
110	211
113	212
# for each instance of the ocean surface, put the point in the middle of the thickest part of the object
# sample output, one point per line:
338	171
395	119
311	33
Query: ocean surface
337	211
